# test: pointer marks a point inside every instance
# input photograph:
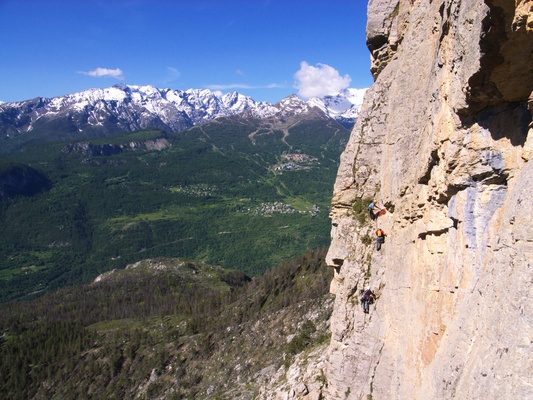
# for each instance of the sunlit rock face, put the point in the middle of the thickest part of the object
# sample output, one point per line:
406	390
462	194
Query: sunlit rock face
443	141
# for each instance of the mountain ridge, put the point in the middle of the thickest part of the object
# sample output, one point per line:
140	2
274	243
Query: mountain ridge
123	108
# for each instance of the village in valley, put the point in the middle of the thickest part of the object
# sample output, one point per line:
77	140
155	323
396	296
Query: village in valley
295	162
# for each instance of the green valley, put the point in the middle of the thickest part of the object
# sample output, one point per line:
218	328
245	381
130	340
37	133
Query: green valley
235	192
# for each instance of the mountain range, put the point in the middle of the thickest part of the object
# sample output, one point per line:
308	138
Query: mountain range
125	108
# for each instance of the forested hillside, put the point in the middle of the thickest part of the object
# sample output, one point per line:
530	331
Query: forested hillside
164	329
233	192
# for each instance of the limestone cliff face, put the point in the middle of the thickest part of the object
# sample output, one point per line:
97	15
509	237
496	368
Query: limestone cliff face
444	141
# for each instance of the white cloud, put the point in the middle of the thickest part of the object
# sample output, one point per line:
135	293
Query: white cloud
104	73
172	74
228	86
243	86
319	81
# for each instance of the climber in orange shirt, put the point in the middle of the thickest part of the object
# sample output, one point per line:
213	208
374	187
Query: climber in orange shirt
380	238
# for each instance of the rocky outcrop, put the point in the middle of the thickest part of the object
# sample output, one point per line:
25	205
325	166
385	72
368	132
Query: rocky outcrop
88	149
443	142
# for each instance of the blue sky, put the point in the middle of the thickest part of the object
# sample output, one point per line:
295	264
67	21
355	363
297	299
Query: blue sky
266	49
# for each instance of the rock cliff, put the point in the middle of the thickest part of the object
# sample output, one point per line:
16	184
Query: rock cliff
443	142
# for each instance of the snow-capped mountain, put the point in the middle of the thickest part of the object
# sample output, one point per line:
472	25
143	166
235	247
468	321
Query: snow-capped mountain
344	107
128	108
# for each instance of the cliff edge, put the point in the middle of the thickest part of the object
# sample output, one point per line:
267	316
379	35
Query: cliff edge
443	143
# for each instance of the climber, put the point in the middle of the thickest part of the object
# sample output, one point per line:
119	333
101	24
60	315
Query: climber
371	207
367	299
380	238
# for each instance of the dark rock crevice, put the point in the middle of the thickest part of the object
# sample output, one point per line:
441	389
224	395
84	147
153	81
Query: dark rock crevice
506	64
